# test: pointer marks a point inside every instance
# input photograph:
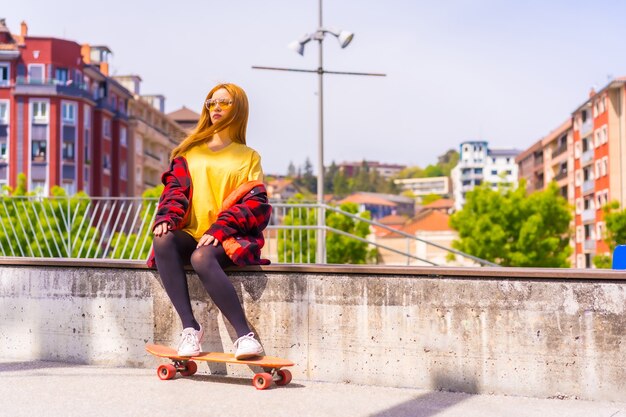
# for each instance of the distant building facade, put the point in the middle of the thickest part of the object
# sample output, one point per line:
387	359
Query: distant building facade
64	121
421	187
186	118
586	156
154	136
478	164
350	169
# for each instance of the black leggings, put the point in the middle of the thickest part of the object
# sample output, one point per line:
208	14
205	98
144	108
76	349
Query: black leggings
173	251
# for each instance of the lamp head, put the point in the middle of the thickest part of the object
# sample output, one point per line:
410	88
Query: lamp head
345	38
298	45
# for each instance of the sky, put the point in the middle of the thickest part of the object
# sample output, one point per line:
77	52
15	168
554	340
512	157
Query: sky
504	71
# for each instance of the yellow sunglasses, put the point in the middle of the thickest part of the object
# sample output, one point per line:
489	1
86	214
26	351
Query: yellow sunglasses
222	102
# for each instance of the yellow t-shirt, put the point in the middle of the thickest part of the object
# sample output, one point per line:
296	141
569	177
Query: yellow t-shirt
214	175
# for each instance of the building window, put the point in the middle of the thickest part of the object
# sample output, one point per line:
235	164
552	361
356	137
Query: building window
579	234
36	73
61	76
106	128
579	205
4	113
578	178
40	111
5	75
123	140
68	151
69	113
39	151
3	151
106	162
123	170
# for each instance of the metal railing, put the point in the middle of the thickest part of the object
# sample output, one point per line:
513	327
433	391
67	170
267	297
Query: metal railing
119	228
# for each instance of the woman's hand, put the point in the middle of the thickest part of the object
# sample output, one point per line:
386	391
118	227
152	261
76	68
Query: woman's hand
161	229
206	240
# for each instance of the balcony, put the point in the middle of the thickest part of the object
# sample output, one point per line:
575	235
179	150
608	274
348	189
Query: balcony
586	127
153	156
561	175
588	186
472	176
558	151
589	245
588	215
51	87
587	157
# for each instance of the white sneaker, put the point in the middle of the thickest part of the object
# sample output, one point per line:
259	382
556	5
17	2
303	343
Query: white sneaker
190	342
247	347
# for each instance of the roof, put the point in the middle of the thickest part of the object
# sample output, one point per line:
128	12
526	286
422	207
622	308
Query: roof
367	199
564	127
184	114
504	152
615	82
399	199
429	220
280	184
393	219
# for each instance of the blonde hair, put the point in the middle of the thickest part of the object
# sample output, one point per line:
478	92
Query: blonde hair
236	121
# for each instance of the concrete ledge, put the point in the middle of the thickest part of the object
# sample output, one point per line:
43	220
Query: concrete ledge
485	330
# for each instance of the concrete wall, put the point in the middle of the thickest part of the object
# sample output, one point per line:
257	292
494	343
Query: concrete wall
530	332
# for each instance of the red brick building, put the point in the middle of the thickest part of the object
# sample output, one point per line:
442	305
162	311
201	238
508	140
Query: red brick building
63	120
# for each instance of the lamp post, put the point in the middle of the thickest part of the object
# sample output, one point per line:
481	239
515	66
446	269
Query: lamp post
344	37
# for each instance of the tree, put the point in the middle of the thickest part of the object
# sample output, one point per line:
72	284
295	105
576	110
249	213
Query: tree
299	246
430	198
291	170
511	228
615	232
448	161
307	179
46	227
329	177
411	172
137	245
341	187
342	249
433	171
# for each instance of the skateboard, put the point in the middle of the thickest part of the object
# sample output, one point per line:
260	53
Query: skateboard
187	365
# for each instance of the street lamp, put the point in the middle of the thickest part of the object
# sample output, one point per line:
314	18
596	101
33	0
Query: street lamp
344	37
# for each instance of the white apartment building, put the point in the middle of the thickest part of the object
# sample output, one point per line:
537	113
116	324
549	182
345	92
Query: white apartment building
478	164
421	187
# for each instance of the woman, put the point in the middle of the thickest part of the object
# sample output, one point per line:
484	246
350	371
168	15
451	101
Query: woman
211	214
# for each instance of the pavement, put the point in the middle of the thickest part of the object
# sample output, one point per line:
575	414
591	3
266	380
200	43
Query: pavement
56	389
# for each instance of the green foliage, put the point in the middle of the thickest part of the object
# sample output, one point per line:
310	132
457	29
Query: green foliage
61	226
430	198
40	227
615	220
299	246
602	262
342	249
512	229
615	225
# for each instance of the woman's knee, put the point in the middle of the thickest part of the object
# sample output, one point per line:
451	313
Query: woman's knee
164	244
204	257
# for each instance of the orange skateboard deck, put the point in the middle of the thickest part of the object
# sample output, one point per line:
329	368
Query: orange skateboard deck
187	366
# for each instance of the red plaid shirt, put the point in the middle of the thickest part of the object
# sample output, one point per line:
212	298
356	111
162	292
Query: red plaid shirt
239	226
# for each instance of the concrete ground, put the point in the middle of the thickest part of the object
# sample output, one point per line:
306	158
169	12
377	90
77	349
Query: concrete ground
55	389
